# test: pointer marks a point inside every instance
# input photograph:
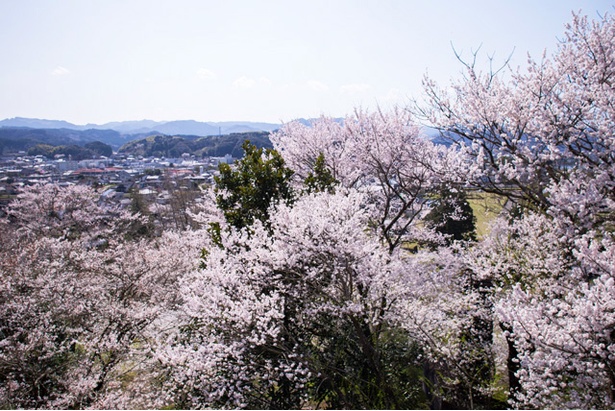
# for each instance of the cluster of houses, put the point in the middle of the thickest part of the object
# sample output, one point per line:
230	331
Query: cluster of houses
115	176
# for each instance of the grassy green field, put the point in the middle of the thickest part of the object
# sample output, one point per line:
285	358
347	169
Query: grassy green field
486	208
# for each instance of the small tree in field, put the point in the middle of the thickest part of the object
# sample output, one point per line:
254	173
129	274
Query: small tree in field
452	216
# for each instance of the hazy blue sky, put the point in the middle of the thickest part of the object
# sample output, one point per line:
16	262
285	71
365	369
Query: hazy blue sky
112	60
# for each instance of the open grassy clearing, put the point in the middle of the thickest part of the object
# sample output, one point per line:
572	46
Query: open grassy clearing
486	207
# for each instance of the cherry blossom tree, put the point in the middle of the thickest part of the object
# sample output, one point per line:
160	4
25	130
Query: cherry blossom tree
443	311
292	315
552	300
544	135
48	210
80	296
385	156
543	139
382	154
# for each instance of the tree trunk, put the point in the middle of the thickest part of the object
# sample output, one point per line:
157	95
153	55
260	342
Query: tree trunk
514	386
429	386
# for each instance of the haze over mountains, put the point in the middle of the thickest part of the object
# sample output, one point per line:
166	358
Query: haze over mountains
50	137
178	127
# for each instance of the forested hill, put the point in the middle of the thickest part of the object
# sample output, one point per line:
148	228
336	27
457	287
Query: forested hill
14	139
175	146
80	143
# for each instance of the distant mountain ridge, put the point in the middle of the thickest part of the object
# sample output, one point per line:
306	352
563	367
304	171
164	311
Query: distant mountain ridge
146	137
177	127
175	146
81	144
15	139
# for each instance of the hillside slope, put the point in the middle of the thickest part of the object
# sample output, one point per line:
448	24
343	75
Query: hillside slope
175	146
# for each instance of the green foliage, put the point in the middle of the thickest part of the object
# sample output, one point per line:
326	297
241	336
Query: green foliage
73	151
100	148
321	179
212	146
215	231
245	192
452	216
41	150
90	150
349	377
153	172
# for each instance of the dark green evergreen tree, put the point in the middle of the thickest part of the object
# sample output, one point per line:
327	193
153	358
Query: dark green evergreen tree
452	215
320	179
246	191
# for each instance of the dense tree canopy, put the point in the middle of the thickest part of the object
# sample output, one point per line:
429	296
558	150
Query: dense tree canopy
247	192
544	140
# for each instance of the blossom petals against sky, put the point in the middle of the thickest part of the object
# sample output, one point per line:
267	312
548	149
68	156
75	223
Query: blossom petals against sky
113	60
